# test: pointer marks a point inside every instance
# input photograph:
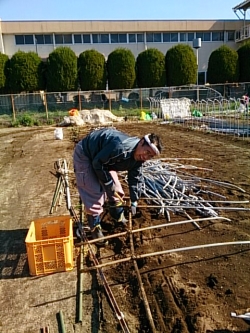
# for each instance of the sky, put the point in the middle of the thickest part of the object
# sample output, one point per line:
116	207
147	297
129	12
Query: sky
28	10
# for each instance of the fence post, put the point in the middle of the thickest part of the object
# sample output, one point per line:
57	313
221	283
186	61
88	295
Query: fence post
141	98
79	100
13	107
110	103
46	106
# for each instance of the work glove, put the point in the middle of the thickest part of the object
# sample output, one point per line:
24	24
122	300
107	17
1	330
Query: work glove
133	207
116	204
110	191
116	210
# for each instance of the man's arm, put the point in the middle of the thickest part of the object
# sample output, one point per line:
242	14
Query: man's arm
134	179
101	160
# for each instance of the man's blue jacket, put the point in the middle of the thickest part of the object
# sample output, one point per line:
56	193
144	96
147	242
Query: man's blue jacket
109	149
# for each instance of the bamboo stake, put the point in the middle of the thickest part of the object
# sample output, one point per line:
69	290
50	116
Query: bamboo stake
151	254
195	207
46	106
190	200
126	233
195	223
181	158
216	182
144	295
115	307
13	107
195	247
80	286
61	319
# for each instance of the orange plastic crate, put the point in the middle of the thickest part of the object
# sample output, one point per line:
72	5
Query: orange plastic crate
49	245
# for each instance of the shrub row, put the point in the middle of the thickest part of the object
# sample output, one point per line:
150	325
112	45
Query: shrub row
64	71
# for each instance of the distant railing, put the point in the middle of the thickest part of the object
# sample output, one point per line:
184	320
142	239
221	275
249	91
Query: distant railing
242	34
221	116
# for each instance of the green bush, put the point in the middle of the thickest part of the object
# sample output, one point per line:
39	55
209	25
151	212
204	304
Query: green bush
61	72
121	69
92	70
3	63
23	120
26	120
223	66
244	62
181	65
24	72
150	69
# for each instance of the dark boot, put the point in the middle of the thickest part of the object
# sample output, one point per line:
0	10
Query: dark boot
117	213
96	229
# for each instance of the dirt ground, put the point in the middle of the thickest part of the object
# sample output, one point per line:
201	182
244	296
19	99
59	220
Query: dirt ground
187	291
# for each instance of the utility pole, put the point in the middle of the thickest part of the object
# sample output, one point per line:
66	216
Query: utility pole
197	46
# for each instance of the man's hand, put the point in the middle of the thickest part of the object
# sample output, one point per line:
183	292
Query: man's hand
133	207
116	203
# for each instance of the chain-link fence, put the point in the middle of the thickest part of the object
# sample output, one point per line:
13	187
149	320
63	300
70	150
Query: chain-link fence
219	108
114	100
64	101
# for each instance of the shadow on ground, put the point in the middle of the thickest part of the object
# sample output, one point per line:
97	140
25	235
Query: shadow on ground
13	256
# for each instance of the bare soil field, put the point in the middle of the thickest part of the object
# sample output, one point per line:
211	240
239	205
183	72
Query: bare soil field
187	291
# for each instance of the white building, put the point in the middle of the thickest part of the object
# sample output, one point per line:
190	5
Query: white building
105	36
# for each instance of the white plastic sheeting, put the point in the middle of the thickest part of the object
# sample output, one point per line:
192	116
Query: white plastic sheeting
175	108
94	116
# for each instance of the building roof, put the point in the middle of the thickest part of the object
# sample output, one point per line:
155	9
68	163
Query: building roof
116	26
243	5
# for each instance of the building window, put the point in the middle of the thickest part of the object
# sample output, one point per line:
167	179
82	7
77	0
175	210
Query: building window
39	39
140	38
207	37
183	37
100	38
63	39
136	38
230	36
174	37
59	39
217	36
43	39
170	37
77	39
149	37
86	39
67	39
132	38
24	39
204	36
118	38
28	39
48	39
166	37
199	35
191	36
153	37
19	39
157	38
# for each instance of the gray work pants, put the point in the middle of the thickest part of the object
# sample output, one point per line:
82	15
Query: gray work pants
89	186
